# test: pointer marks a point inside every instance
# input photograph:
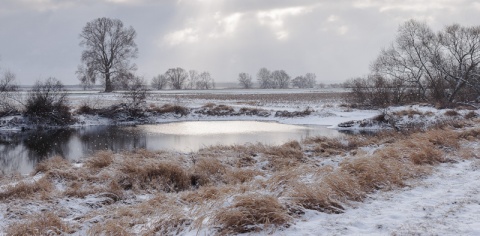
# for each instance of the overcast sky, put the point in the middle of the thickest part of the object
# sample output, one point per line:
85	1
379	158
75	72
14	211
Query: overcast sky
335	39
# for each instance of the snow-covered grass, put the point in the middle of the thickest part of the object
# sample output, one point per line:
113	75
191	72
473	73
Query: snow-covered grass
388	183
418	181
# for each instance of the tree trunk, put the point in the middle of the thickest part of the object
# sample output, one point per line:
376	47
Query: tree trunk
108	83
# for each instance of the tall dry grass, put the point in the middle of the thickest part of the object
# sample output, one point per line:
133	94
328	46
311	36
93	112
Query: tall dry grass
41	188
39	224
253	212
224	187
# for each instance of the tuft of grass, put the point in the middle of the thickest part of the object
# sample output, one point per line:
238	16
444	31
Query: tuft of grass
285	156
110	228
152	174
421	152
451	113
250	213
40	224
410	113
208	170
100	160
25	190
170	108
470	115
52	164
315	197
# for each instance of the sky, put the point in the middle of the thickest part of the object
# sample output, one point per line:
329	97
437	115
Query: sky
335	39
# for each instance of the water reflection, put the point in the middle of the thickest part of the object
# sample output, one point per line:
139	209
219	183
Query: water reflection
21	151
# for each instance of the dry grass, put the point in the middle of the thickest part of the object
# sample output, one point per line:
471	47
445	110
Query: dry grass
315	197
142	174
285	156
110	228
100	160
451	113
41	224
253	212
224	186
410	113
27	190
169	108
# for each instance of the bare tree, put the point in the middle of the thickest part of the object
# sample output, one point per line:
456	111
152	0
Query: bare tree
311	80
281	79
136	96
408	59
264	78
205	81
159	82
177	77
307	81
459	58
109	46
193	80
245	80
8	95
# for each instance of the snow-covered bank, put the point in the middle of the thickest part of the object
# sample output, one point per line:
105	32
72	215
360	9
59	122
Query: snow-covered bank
445	203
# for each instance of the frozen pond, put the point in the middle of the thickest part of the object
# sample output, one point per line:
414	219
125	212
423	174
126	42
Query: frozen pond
21	151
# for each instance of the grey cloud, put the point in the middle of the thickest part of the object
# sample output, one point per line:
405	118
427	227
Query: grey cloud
38	43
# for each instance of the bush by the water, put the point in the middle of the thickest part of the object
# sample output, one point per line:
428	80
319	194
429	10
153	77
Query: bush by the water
47	103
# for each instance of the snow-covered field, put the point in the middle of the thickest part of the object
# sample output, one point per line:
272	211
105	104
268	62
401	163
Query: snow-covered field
443	201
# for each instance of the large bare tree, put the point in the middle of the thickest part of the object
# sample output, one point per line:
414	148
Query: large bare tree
264	77
109	47
177	77
281	79
159	82
245	80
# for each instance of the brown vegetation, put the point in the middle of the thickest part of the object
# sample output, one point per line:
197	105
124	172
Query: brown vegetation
224	187
39	224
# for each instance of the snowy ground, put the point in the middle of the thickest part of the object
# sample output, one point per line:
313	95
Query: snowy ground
447	202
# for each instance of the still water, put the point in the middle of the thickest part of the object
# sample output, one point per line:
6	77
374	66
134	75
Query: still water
19	152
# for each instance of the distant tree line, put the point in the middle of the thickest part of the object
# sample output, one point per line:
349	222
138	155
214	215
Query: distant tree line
178	78
423	65
278	79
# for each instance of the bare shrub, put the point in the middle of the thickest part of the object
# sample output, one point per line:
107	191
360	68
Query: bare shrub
100	160
47	103
40	224
252	212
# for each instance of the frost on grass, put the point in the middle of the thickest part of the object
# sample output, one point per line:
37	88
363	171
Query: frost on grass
220	190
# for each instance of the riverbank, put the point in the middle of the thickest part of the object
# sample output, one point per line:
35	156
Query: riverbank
295	188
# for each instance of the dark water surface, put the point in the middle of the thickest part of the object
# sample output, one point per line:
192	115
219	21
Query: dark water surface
21	151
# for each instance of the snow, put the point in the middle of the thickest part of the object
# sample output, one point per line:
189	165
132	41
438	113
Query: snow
445	203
